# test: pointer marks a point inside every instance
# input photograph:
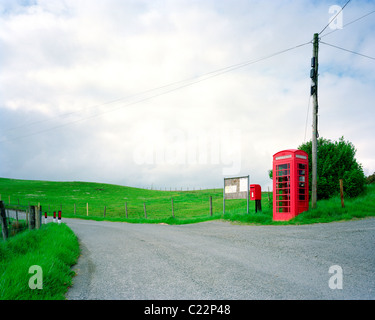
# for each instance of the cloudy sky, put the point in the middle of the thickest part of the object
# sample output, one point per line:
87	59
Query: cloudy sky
177	93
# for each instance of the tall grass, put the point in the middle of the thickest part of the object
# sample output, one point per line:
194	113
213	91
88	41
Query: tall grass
54	248
327	211
331	210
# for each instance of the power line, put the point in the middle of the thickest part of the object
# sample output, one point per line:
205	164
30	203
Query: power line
307	116
188	82
183	84
334	17
349	23
360	54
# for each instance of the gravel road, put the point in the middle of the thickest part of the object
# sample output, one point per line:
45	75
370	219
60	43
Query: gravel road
218	260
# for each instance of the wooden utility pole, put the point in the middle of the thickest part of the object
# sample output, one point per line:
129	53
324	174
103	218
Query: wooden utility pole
314	93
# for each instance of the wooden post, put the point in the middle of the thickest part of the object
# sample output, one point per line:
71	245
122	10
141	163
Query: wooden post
3	221
172	208
258	205
27	214
18	201
342	193
74	209
144	207
104	210
32	218
40	215
37	217
126	210
87	208
211	206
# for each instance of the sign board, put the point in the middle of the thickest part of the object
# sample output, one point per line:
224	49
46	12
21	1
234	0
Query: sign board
236	188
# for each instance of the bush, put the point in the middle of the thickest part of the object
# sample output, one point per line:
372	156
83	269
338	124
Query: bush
370	179
336	160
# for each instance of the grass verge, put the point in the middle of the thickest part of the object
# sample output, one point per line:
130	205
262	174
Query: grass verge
53	247
327	211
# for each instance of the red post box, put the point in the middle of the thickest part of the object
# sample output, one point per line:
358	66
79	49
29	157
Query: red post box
290	184
255	192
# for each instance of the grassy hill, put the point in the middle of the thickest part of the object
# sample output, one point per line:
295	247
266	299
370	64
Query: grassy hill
189	206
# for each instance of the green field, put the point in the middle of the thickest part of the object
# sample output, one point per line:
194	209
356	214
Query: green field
189	206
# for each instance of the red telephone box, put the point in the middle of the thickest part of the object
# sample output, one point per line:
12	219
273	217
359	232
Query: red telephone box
290	184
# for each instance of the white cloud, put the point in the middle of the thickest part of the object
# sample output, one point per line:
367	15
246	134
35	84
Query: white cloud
62	61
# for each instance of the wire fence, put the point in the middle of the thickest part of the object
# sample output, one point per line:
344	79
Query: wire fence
162	206
190	205
13	221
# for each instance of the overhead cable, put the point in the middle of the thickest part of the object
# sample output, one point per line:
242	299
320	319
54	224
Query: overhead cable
360	54
180	85
334	17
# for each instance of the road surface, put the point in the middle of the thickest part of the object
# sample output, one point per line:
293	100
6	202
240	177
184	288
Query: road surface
219	260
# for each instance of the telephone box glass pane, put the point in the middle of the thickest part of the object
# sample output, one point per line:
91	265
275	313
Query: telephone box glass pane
283	188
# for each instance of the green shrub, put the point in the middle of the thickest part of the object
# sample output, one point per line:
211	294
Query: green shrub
336	160
370	179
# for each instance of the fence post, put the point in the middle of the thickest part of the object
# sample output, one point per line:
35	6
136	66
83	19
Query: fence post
32	218
40	215
87	208
104	211
172	208
18	200
126	210
211	206
37	217
3	221
74	209
342	193
27	214
144	207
